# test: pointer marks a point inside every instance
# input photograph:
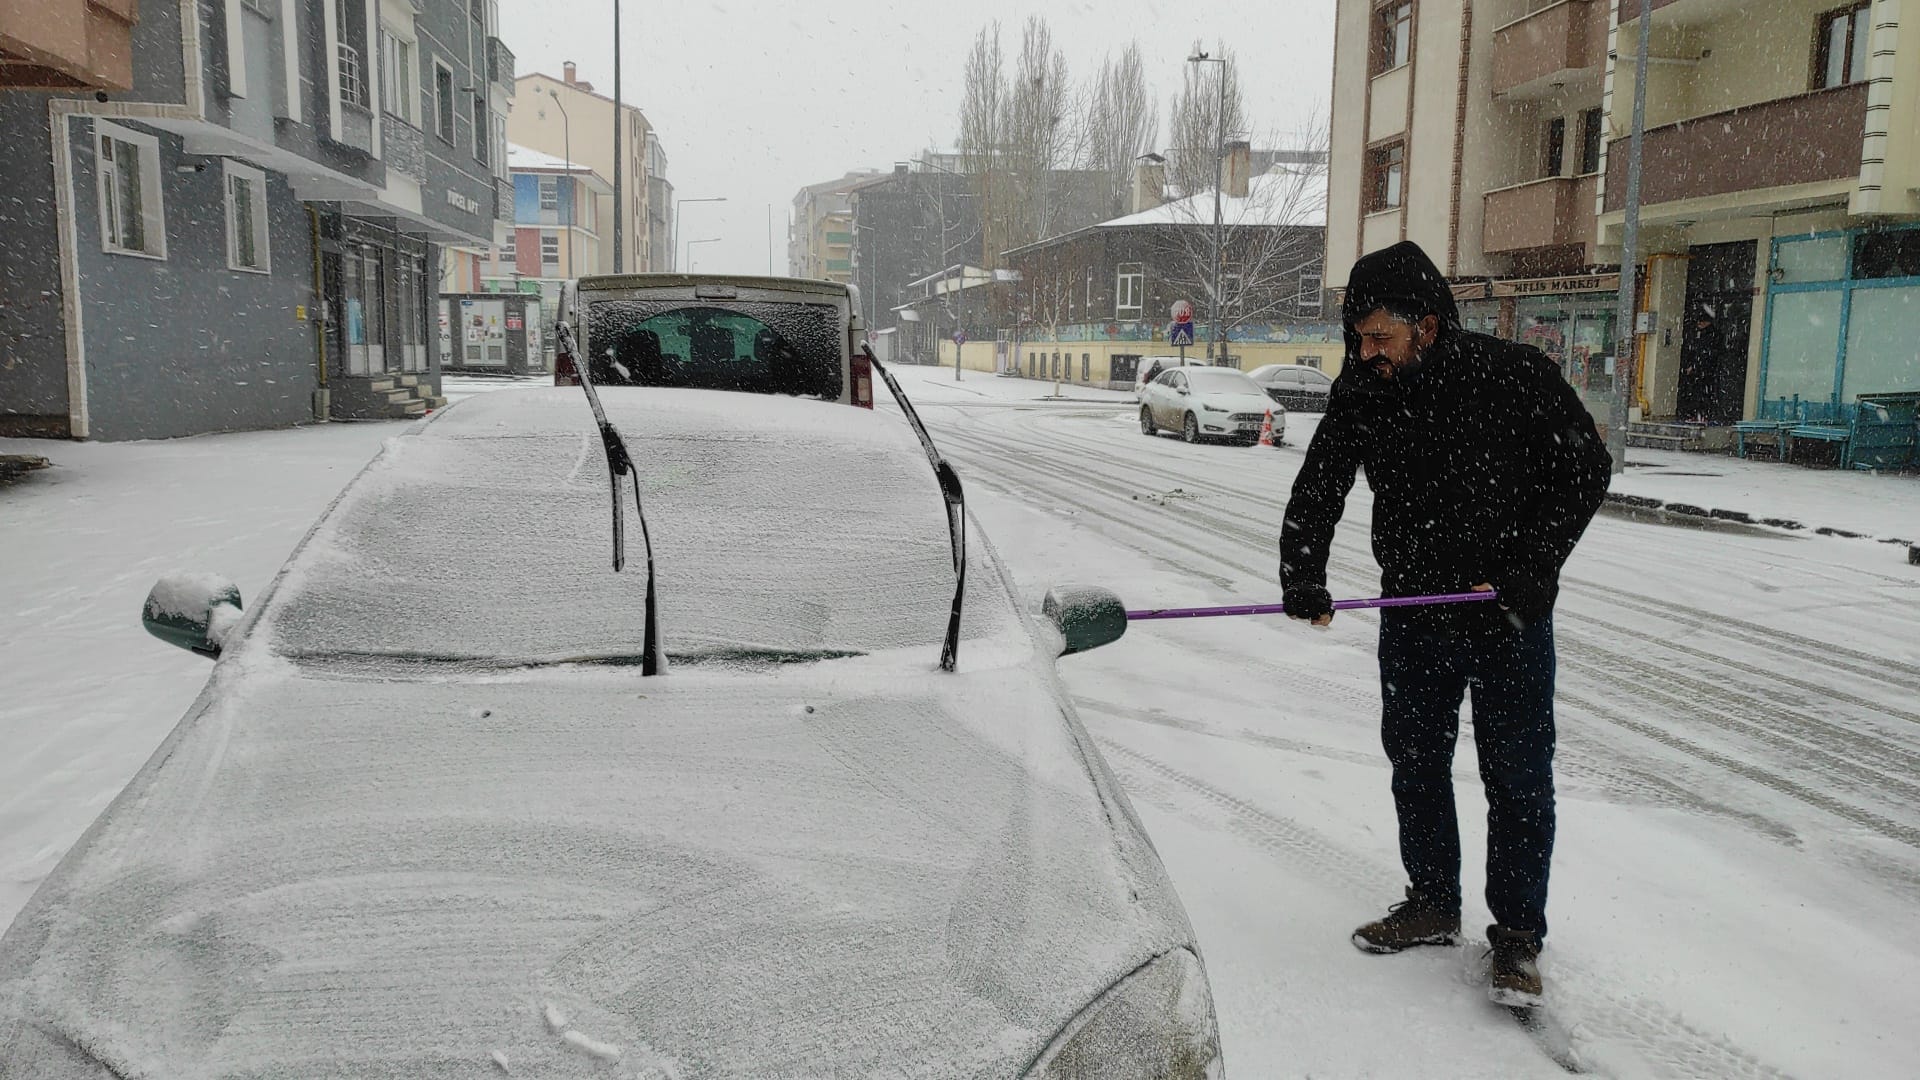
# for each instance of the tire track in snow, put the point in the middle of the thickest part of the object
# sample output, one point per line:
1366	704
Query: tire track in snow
1644	1026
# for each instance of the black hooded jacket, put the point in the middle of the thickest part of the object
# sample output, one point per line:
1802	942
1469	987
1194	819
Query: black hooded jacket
1485	466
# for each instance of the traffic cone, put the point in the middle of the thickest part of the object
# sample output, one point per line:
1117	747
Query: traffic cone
1266	430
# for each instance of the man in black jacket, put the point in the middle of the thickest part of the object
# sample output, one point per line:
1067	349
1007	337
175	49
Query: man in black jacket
1485	470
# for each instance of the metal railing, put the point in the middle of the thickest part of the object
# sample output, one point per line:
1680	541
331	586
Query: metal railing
353	81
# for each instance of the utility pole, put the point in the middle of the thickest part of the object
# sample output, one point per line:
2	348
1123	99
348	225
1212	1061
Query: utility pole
619	122
573	191
1218	314
1625	335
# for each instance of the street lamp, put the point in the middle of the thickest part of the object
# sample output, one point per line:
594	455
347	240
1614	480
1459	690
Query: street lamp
566	128
690	243
678	203
1219	248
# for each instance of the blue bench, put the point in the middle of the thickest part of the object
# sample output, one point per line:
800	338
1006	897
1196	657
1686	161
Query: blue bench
1885	432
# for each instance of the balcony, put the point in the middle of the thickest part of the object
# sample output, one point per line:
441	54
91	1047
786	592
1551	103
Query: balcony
1804	139
1561	43
839	239
500	63
67	44
1549	213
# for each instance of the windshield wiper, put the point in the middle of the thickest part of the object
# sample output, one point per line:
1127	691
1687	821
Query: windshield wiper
619	464
956	501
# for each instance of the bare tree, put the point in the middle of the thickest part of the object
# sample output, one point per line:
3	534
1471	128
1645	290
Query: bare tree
1195	130
1040	128
983	111
1120	123
1268	238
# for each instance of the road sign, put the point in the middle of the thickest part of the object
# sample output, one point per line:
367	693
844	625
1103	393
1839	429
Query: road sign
1181	333
959	337
1182	311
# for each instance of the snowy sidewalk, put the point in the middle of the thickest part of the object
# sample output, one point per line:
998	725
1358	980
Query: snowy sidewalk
1880	506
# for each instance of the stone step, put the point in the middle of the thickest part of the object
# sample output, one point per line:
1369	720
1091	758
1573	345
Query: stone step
379	385
414	407
407	380
435	401
398	396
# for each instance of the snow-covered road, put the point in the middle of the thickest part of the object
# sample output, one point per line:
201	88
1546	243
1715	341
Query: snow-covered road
1738	867
1739	767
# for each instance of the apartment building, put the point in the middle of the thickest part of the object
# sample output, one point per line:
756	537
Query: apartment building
567	118
246	233
1780	196
820	230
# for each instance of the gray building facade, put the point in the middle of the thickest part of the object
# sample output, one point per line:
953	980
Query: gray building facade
247	237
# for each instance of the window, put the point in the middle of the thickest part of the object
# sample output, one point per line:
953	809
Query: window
1392	36
1309	361
510	250
246	218
1840	57
1556	147
1231	291
550	248
1591	121
1309	300
350	22
132	216
1891	254
397	93
443	100
1086	367
482	128
500	147
1386	167
549	193
1129	291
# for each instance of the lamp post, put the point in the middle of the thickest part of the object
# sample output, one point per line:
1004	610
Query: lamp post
1625	335
678	203
1219	248
566	127
619	123
690	243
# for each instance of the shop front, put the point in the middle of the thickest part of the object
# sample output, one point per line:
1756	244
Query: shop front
376	283
1842	313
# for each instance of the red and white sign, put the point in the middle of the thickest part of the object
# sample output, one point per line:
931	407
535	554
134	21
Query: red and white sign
1182	311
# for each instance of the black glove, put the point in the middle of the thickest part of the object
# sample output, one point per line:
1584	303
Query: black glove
1306	601
1525	596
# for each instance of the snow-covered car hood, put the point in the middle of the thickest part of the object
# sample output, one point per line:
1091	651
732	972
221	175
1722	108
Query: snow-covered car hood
542	872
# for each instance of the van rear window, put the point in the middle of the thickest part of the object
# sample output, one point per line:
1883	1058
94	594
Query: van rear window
756	347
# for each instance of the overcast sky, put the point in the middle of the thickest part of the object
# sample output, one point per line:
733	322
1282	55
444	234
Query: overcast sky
753	99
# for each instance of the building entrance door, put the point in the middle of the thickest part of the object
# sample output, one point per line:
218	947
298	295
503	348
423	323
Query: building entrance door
1715	328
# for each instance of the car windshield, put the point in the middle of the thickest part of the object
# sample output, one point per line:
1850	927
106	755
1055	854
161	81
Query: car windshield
1220	381
781	529
755	346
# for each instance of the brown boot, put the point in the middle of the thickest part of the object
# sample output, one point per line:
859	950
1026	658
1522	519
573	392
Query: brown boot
1513	971
1411	922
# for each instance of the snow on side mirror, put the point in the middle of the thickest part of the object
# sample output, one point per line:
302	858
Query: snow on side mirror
1087	617
192	611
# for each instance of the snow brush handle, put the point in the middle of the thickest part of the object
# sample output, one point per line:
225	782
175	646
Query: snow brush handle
1338	605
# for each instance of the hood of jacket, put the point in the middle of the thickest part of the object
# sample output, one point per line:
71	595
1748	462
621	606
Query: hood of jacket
1402	273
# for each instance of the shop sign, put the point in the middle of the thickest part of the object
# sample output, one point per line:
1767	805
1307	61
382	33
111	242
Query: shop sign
1556	285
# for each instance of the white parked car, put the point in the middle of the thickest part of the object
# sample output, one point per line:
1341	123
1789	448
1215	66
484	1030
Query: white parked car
459	800
1294	386
1209	403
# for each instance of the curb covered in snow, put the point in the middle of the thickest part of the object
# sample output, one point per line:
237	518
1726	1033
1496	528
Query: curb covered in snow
1620	504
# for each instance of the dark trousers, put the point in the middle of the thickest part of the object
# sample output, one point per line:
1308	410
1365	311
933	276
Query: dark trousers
1424	674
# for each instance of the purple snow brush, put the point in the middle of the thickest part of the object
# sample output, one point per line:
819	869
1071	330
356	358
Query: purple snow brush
1338	605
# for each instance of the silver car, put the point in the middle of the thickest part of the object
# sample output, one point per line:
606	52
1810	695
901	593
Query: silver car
432	816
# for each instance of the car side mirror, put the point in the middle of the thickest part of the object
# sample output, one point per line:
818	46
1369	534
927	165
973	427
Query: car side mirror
1184	391
1087	617
193	611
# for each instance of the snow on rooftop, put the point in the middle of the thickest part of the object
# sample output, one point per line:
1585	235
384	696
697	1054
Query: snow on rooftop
1283	195
521	157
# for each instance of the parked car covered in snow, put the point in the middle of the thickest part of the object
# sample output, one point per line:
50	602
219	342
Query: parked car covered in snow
1209	403
430	817
1150	368
1294	386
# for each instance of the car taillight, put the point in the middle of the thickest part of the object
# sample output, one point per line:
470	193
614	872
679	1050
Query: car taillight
563	373
862	381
